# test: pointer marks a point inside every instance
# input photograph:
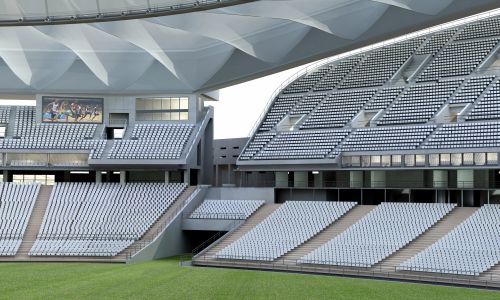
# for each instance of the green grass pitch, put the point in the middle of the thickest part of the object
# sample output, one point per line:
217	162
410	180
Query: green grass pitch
165	279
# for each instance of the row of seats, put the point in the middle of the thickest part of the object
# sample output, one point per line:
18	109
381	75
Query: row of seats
469	249
337	73
289	226
17	202
112	213
485	28
419	103
457	59
380	65
226	209
488	107
436	42
471	89
4	114
153	141
465	135
308	81
383	231
301	145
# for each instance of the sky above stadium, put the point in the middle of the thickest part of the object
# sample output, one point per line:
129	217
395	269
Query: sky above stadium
241	105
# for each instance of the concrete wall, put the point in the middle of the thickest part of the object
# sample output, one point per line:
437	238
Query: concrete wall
239	193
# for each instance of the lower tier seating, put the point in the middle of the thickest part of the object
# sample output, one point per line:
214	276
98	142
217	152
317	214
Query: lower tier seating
226	209
290	225
16	204
386	229
469	249
83	219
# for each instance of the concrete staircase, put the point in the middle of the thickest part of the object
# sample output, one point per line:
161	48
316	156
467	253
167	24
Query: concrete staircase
34	222
432	235
329	232
156	228
257	217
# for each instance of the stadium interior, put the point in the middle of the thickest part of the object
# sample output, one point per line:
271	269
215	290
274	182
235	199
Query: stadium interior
381	161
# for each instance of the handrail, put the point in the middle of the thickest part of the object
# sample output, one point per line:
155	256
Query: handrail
209	216
213	238
362	50
198	132
350	269
139	245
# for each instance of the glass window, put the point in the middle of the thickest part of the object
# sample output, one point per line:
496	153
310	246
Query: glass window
184	103
479	159
356	161
375	161
433	160
140	105
17	178
456	159
468	159
386	160
2	131
445	159
492	158
410	160
174	103
365	161
148	105
184	116
396	160
346	161
165	103
157	104
174	116
420	160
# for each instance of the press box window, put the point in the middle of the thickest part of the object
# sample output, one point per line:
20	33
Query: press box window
162	109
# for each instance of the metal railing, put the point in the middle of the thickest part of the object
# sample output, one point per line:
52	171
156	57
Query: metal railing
98	14
400	184
355	270
213	216
203	124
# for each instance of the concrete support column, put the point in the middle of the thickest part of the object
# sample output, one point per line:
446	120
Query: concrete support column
377	179
98	176
440	178
281	179
356	179
123	177
187	176
465	178
167	177
300	179
318	179
5	176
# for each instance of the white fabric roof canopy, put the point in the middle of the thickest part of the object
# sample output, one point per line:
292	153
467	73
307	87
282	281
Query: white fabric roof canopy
200	50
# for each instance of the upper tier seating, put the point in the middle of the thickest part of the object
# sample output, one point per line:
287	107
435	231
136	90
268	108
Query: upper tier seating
383	231
31	135
337	73
469	249
226	209
101	219
280	108
17	201
488	107
465	135
302	145
380	65
153	141
384	98
258	142
485	28
290	225
419	103
306	105
338	109
387	138
4	114
436	42
471	90
459	58
307	82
